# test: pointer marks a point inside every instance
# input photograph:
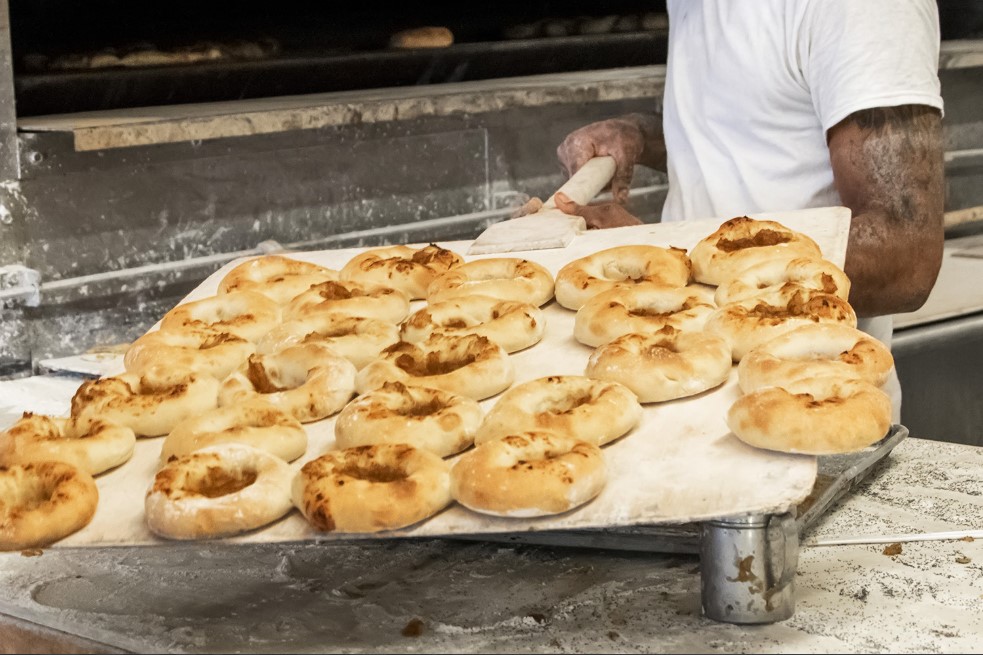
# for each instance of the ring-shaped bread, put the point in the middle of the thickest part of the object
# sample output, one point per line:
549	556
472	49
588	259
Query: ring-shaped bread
351	299
815	416
279	278
815	350
441	422
147	404
749	323
43	502
742	242
197	351
254	423
664	365
644	309
91	446
512	325
411	270
772	274
595	411
468	365
528	474
357	339
372	488
505	278
246	314
218	491
580	280
309	381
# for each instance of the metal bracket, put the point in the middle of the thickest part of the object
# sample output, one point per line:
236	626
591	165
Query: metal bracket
19	286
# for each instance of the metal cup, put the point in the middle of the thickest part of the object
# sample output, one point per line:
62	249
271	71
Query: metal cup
748	568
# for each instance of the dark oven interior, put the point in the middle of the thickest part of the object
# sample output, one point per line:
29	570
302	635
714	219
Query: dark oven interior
108	54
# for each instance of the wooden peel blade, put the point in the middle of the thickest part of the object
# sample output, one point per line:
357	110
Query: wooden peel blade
549	227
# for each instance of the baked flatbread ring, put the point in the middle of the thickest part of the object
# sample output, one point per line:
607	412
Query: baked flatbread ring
279	278
357	339
752	322
665	365
469	365
90	446
147	404
245	314
351	299
583	278
505	278
410	270
438	421
771	275
816	416
372	488
254	423
512	325
204	351
43	502
309	381
814	350
218	491
595	411
644	309
528	474
742	242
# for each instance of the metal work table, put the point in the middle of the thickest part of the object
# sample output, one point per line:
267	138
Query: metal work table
454	596
937	351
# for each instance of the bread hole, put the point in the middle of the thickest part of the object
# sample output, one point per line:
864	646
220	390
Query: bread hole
30	494
218	340
649	312
332	291
342	330
662	350
433	364
624	272
373	472
761	238
811	401
569	403
260	377
422	408
218	481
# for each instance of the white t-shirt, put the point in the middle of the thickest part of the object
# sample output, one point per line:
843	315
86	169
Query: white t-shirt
753	86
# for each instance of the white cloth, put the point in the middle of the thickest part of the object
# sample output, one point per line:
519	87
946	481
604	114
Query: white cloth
753	86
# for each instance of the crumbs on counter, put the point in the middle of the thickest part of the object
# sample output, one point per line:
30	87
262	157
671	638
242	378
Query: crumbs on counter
962	559
31	552
967	538
413	629
892	549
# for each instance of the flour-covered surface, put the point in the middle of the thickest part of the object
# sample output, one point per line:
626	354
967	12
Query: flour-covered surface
679	464
439	595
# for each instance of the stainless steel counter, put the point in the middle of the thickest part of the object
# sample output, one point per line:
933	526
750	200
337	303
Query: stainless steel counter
938	350
449	596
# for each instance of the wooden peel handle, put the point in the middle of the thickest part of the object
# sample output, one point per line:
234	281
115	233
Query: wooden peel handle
586	182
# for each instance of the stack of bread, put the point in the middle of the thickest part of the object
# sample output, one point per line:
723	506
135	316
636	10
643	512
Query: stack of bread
230	381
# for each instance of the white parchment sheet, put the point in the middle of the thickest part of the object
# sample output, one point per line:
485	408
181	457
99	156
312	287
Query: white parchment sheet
679	464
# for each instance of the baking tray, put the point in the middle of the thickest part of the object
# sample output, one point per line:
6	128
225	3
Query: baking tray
679	465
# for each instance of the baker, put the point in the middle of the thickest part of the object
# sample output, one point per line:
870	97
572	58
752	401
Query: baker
784	104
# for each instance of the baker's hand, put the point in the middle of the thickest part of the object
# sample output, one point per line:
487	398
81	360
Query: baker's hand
621	138
597	216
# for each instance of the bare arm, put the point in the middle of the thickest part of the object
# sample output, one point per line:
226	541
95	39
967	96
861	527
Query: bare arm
888	169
